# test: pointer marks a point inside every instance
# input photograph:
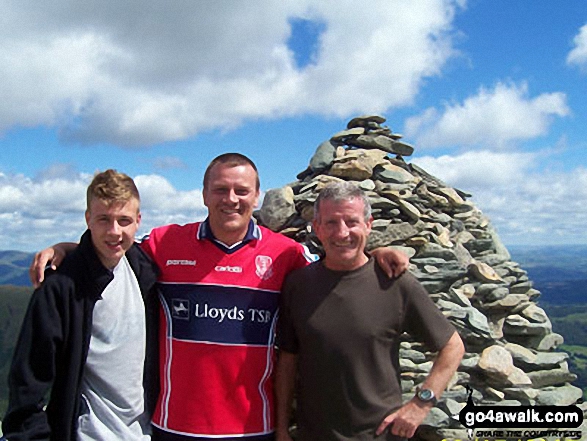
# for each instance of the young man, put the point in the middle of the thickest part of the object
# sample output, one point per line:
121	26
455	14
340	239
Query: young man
86	336
340	324
219	281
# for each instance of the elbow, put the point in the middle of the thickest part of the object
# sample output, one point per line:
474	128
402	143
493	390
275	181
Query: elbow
458	347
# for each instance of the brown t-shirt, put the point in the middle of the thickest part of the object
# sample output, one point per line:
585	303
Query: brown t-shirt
345	328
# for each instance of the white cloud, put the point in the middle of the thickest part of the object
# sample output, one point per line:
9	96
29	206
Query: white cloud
526	204
141	73
481	169
578	55
168	162
494	117
37	213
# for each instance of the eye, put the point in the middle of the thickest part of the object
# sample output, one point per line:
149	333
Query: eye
219	190
242	191
125	222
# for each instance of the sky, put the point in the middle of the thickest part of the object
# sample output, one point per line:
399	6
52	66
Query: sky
491	93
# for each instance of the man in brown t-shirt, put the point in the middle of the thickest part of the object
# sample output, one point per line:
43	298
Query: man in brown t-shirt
340	326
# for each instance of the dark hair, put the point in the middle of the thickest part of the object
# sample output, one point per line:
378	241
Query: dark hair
342	191
111	187
232	160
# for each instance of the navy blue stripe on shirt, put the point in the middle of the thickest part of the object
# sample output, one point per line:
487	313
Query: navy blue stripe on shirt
220	314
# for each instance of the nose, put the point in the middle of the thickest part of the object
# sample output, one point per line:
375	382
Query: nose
341	229
232	197
114	228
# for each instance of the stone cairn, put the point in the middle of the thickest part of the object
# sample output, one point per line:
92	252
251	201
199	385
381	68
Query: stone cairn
455	253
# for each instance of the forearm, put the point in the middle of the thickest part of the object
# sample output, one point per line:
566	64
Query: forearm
406	420
445	365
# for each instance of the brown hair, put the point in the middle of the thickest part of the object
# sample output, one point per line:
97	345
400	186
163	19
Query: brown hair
232	160
111	187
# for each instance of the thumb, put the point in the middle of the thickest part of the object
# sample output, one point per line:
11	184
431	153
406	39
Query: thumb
385	423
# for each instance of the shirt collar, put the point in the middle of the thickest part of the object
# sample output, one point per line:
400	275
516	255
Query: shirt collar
205	233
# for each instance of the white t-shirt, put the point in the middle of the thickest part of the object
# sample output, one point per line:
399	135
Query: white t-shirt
112	382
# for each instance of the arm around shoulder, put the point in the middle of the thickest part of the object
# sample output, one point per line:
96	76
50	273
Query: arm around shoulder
54	255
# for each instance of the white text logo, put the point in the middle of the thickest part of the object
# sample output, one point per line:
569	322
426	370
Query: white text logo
229	269
171	262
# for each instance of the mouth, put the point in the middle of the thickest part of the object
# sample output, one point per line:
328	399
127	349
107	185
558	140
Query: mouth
114	244
343	244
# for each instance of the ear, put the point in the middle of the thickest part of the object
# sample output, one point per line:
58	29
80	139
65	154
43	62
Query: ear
87	216
316	226
369	224
139	218
204	197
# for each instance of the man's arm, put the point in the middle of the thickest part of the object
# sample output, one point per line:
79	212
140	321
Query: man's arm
407	418
285	375
54	254
33	368
393	262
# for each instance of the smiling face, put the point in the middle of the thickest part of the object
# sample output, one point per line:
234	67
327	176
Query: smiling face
231	195
343	231
113	228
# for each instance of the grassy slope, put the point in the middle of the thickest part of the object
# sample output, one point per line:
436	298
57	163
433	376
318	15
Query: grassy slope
13	303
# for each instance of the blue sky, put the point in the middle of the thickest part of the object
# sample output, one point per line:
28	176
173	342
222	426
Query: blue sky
492	94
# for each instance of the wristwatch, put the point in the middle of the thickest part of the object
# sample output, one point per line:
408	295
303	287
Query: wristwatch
426	396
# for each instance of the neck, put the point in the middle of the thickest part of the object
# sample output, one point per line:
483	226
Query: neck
229	237
346	266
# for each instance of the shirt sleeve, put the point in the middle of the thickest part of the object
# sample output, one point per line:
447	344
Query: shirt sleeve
286	334
34	366
423	319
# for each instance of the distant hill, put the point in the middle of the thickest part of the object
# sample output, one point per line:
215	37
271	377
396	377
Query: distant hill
14	268
558	272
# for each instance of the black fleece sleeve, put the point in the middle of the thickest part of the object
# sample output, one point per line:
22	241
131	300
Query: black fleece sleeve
34	363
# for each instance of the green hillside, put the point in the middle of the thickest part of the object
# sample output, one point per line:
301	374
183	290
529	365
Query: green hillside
571	322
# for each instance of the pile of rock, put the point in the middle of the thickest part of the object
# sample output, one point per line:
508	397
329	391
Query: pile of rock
456	255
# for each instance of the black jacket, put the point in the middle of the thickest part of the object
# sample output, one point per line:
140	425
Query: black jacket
53	344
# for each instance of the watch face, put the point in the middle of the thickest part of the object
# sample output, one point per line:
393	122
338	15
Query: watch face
425	394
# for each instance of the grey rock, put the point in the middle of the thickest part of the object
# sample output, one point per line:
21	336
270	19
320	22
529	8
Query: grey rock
364	120
559	396
525	395
517	325
435	250
382	142
278	207
551	377
436	418
323	157
340	137
367	185
392	174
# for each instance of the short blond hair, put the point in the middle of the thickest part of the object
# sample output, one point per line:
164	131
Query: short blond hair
112	187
